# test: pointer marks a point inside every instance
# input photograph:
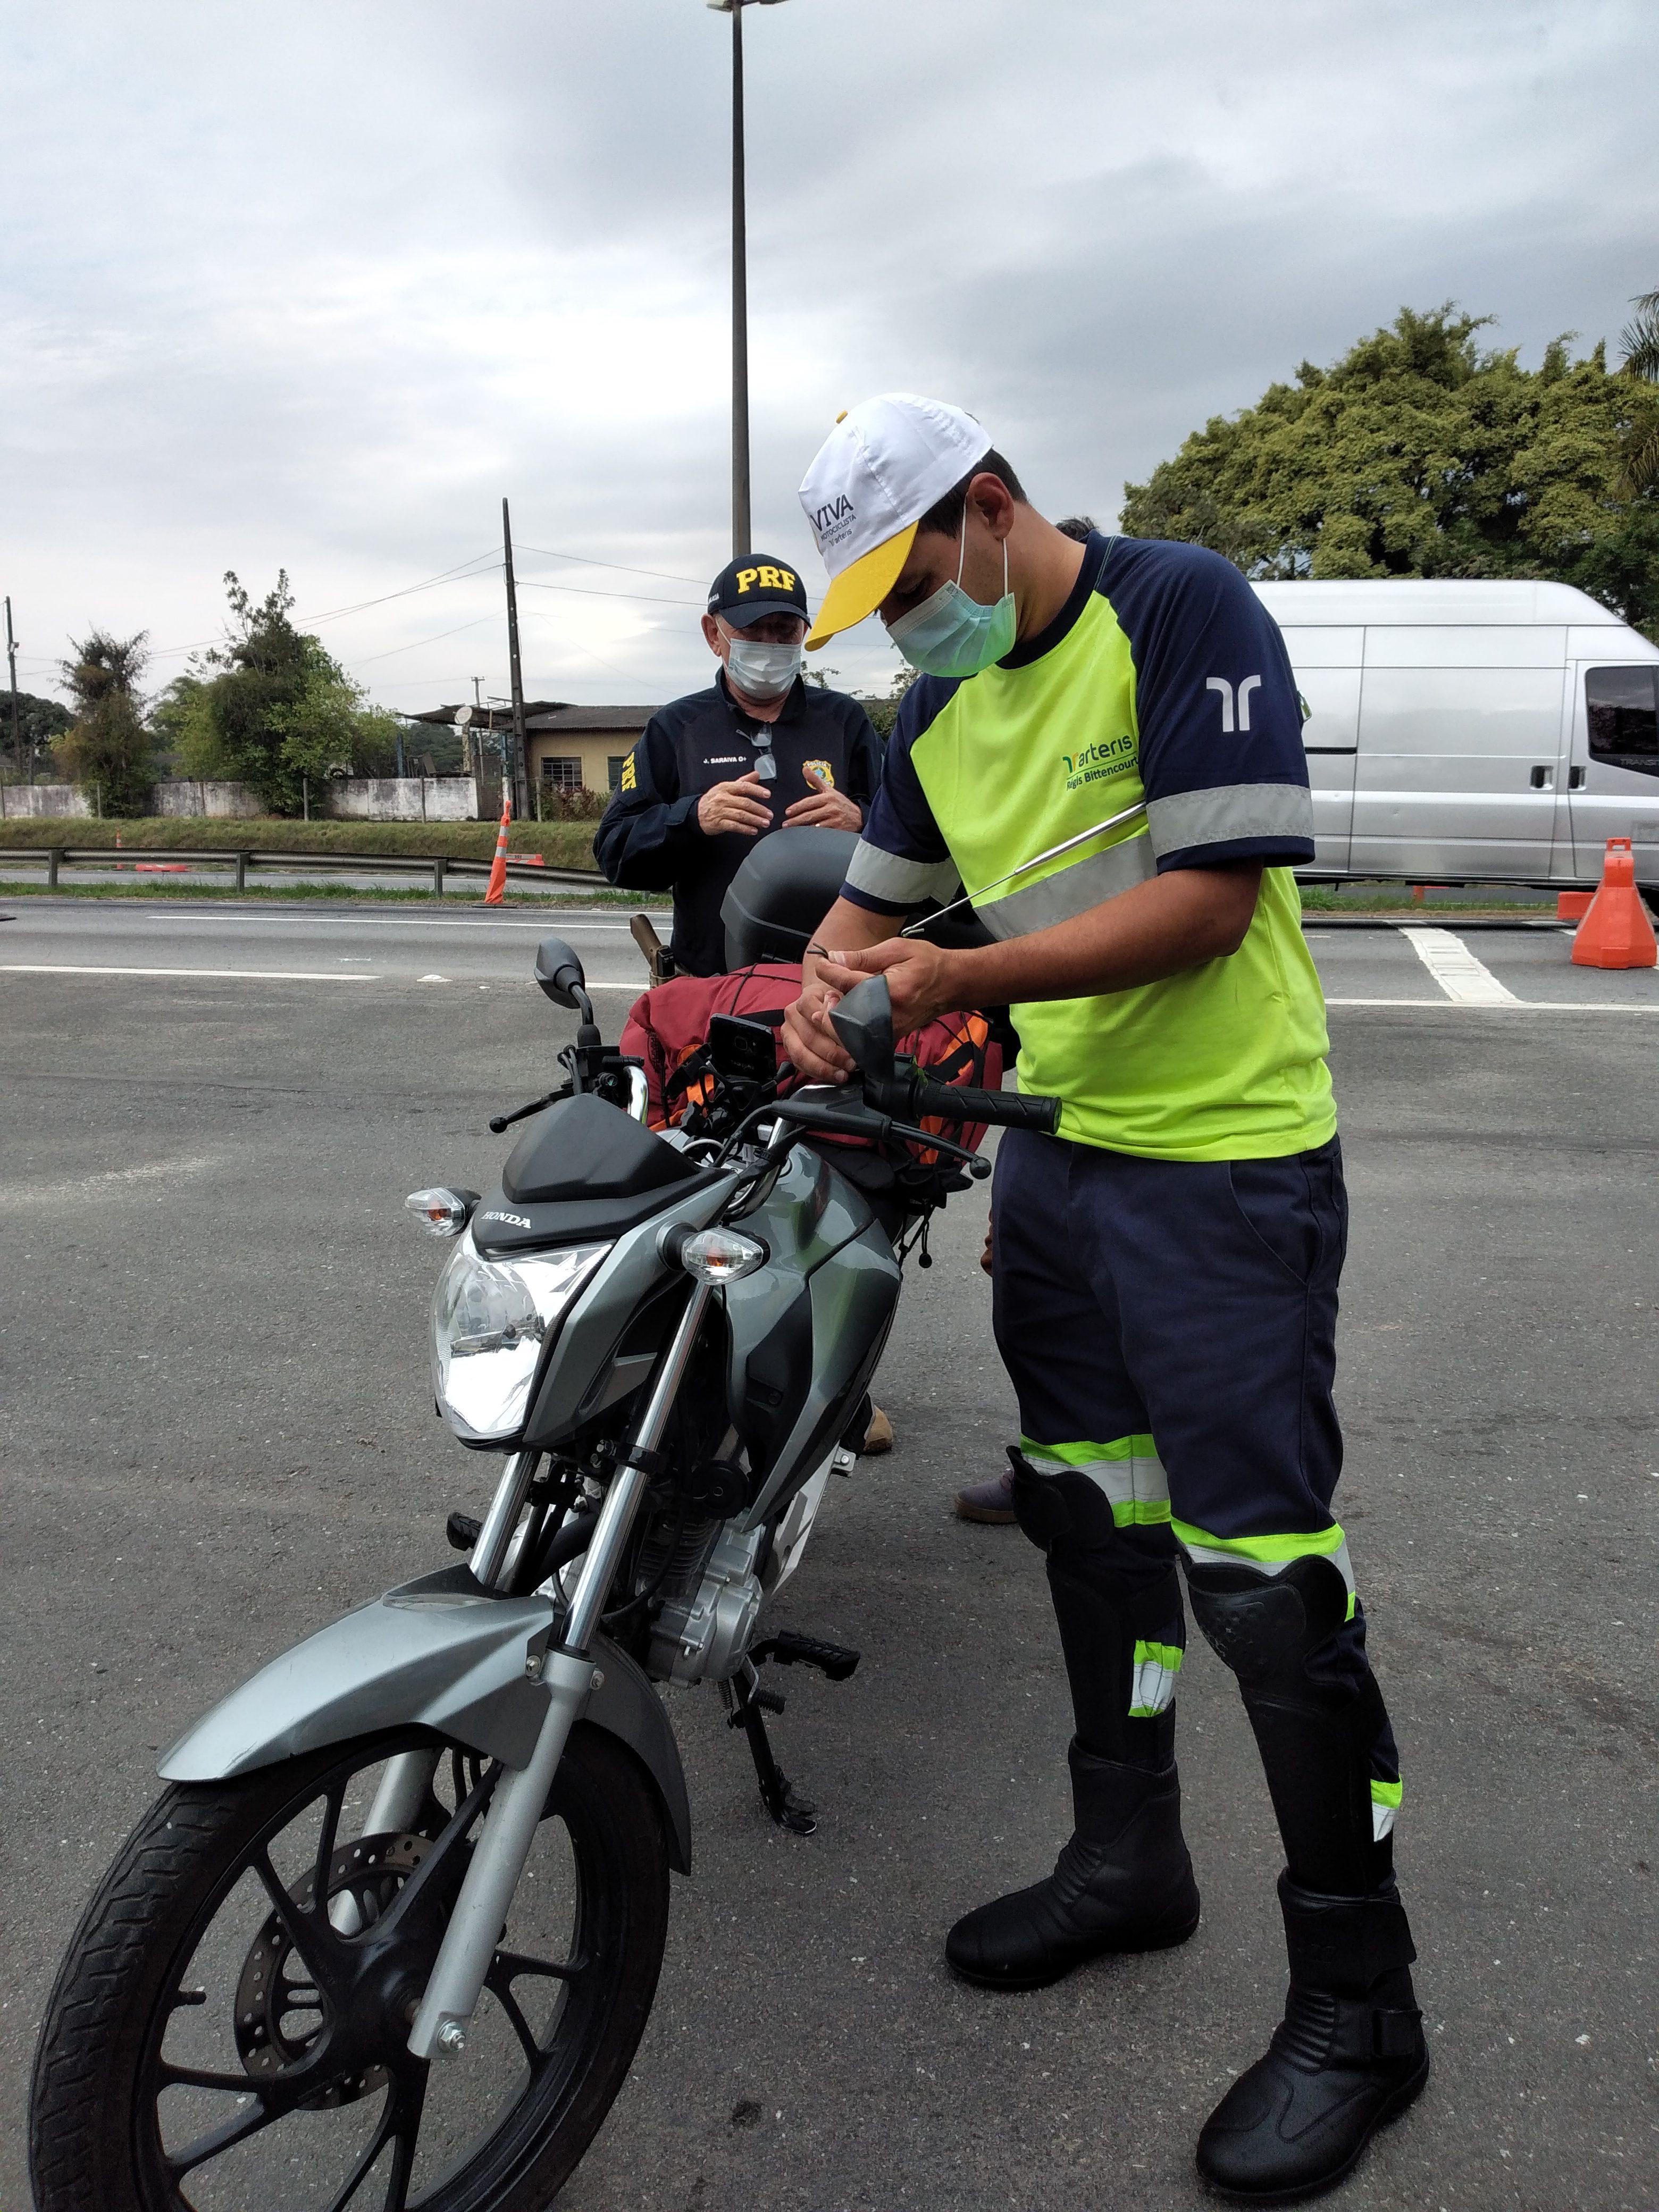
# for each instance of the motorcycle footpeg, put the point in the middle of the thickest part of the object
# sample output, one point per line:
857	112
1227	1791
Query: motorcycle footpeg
836	1661
462	1531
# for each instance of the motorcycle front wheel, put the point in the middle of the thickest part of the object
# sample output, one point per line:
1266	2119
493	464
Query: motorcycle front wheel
228	2029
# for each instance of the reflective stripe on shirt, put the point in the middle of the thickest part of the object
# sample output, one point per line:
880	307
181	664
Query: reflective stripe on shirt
1228	810
1071	890
881	875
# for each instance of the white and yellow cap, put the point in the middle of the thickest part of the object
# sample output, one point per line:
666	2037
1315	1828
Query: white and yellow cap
884	464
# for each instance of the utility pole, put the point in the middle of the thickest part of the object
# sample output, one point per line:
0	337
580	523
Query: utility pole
11	659
518	769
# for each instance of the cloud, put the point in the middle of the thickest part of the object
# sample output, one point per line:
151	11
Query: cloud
314	287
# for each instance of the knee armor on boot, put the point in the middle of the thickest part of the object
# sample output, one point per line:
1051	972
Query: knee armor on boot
1314	1720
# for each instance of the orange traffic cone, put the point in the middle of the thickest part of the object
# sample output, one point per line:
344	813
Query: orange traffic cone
1616	931
498	866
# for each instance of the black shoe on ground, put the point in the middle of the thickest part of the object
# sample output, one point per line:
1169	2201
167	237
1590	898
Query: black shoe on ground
1123	1883
1348	2056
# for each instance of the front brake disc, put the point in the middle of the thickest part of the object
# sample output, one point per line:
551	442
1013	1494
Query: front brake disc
279	2008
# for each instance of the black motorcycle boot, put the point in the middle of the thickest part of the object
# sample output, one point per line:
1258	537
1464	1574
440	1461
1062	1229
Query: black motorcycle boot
1348	2055
1124	1882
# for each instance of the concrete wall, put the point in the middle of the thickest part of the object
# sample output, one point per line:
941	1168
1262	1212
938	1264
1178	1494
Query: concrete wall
350	798
401	799
42	802
219	802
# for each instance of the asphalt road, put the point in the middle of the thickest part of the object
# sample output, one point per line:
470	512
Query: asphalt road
217	1436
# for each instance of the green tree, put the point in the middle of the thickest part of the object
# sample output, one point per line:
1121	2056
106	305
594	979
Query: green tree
883	711
1641	344
107	747
41	723
270	707
1419	454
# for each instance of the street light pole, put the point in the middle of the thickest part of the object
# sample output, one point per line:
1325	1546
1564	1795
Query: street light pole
741	540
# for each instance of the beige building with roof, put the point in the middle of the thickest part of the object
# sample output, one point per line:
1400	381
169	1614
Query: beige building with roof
581	748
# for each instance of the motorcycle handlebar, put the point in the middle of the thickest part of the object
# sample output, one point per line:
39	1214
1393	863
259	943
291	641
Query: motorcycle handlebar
1006	1109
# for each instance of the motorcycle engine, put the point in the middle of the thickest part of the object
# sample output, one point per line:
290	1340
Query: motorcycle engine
706	1620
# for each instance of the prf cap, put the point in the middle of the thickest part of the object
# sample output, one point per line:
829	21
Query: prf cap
884	464
748	590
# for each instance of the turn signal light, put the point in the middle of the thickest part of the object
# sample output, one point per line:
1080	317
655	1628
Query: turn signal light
722	1256
442	1213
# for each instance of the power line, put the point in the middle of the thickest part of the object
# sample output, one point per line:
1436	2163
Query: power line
586	561
364	660
627	674
448	575
584	592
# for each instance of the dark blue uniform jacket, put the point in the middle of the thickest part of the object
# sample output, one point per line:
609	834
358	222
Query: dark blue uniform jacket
649	840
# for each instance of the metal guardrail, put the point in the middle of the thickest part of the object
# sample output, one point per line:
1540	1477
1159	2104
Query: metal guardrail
440	866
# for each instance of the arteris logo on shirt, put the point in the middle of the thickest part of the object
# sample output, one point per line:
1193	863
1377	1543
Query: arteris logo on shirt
1096	762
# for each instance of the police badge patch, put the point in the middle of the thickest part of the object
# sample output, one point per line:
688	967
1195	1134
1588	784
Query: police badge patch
825	773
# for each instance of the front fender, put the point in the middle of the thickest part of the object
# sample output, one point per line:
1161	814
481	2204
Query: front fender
438	1653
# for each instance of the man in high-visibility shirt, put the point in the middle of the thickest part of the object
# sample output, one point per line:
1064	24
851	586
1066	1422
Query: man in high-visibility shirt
1165	1269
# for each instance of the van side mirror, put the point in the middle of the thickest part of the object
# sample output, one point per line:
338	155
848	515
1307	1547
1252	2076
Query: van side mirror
559	973
863	1022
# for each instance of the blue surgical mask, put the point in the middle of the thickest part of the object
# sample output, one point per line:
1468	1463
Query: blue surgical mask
951	634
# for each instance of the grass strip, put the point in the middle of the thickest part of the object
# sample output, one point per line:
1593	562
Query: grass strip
561	844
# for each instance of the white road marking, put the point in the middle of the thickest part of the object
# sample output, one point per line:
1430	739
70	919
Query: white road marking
233	975
105	1184
1509	1004
1465	979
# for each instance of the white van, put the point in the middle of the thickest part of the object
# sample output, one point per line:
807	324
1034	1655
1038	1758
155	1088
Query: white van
1467	731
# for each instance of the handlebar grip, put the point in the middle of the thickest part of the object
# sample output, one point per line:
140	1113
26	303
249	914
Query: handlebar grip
1006	1109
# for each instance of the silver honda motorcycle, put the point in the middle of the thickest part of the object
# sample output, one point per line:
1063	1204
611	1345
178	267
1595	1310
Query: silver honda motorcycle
391	1935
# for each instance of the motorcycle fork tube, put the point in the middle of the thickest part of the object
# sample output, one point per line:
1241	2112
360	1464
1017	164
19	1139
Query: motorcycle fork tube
489	1552
519	1801
402	1787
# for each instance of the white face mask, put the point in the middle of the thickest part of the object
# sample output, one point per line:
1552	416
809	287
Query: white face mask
762	671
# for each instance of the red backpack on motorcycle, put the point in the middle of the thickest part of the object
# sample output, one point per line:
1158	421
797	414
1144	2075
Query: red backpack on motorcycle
667	1031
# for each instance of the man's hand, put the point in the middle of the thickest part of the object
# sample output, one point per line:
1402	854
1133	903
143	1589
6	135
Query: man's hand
826	809
741	805
808	1039
923	980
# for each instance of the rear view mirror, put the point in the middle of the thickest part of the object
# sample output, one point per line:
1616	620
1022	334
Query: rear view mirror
863	1022
559	973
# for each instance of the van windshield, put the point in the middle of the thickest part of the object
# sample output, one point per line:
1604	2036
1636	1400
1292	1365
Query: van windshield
1624	726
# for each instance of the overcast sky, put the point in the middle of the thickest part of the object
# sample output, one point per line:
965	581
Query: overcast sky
313	286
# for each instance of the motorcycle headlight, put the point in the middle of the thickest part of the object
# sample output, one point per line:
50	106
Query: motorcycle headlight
490	1319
